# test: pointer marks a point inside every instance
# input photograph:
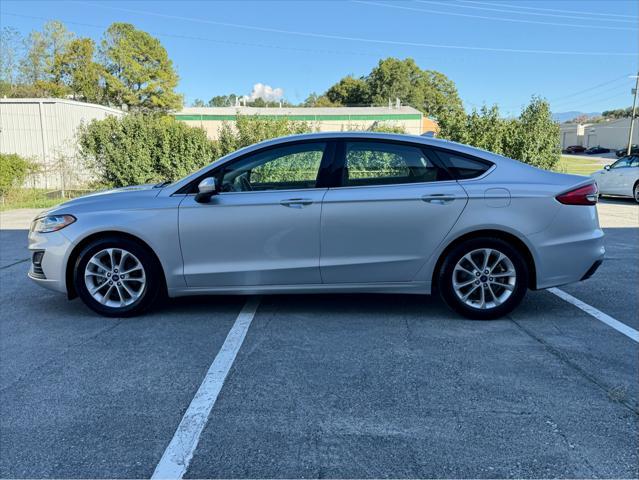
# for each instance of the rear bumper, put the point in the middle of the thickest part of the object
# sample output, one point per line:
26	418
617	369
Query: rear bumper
591	271
571	249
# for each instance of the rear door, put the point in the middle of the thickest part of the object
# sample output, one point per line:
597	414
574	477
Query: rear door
393	207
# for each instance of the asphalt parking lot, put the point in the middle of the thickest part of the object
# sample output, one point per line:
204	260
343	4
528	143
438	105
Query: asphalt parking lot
326	385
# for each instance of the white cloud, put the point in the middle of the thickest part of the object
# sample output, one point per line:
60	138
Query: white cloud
265	92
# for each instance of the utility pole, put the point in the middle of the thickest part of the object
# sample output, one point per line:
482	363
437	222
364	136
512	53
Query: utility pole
632	116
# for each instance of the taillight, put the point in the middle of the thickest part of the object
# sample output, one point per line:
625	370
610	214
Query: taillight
586	195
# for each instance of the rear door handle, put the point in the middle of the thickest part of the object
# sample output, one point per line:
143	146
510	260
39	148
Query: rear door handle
296	202
438	198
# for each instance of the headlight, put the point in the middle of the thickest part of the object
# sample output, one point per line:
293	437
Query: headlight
51	223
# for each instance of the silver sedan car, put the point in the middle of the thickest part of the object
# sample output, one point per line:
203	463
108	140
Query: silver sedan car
328	212
620	179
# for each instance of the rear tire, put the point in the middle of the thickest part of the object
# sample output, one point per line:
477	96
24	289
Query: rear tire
635	192
483	278
117	277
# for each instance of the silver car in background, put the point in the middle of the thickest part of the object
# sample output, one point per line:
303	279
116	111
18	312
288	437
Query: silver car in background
620	179
328	212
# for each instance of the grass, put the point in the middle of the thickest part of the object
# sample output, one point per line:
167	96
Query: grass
36	198
577	166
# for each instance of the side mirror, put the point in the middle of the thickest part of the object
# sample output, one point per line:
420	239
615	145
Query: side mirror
206	189
607	167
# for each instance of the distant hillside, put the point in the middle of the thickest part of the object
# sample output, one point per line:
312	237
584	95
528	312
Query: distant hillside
565	116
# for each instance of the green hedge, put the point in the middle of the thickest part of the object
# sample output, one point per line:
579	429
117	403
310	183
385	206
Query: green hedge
13	171
138	149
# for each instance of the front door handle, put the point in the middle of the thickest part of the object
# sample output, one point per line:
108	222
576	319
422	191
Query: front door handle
438	198
296	202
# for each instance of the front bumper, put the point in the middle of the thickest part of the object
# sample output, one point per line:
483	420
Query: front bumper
50	271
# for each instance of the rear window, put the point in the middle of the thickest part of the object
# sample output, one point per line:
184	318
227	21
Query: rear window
461	166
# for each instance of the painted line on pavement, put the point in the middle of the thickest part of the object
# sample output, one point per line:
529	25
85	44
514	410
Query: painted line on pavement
598	314
177	456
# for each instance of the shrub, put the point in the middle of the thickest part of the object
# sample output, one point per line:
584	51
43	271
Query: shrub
139	148
13	171
536	136
250	129
532	138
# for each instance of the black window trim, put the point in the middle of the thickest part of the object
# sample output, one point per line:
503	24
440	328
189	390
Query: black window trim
217	170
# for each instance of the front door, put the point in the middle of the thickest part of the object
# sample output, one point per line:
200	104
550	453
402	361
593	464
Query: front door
392	210
613	181
263	228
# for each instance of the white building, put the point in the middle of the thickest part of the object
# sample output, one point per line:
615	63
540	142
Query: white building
571	134
44	130
611	134
326	119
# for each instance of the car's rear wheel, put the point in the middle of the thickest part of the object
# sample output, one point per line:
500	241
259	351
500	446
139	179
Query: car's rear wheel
635	192
483	278
117	277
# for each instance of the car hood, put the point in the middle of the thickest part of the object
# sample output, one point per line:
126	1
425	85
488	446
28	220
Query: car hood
114	198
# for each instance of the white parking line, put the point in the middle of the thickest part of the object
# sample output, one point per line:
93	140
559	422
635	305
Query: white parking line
598	314
178	454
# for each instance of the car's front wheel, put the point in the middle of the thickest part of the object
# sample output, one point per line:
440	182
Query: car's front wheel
483	278
635	192
117	277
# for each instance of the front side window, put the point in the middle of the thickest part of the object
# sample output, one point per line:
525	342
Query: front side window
461	166
377	163
285	168
622	162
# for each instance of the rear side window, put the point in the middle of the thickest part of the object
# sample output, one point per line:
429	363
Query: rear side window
461	166
378	163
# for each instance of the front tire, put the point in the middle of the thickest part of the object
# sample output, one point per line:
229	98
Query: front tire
635	192
483	278
117	277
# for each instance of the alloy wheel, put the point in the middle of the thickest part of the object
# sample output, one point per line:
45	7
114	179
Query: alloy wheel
115	277
484	278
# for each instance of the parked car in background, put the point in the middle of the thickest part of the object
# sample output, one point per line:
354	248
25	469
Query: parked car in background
327	213
597	149
574	149
620	179
622	152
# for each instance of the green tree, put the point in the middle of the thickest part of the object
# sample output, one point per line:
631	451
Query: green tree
535	138
349	91
198	102
39	67
617	113
78	70
429	91
33	65
223	100
138	71
10	41
315	100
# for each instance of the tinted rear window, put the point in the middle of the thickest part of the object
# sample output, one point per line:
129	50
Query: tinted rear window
462	166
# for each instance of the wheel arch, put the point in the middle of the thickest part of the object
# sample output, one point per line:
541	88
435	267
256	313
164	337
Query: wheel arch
511	238
73	256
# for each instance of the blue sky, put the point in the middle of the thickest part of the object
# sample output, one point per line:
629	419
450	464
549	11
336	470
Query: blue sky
304	46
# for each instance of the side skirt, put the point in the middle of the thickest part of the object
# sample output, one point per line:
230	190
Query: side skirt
417	288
